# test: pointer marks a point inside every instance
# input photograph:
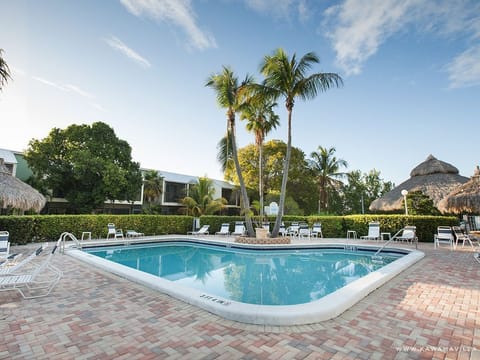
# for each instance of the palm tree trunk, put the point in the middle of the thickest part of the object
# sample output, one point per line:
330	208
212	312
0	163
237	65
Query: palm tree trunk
243	189
286	165
260	177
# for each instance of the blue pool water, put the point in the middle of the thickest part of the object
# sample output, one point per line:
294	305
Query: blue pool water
264	277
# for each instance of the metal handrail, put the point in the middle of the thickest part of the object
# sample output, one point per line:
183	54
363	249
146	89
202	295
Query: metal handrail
63	238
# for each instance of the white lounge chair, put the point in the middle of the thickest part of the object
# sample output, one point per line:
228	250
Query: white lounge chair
461	236
408	234
239	229
282	230
317	230
303	231
12	267
292	230
202	231
29	283
113	232
4	245
373	232
444	235
224	229
133	233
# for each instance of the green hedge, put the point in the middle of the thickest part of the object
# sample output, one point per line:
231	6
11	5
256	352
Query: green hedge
24	229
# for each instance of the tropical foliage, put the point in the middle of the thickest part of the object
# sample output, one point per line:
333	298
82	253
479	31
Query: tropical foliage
228	91
326	169
200	200
288	78
4	71
85	164
152	189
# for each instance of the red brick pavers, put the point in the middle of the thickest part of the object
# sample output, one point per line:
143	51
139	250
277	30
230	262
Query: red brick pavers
431	310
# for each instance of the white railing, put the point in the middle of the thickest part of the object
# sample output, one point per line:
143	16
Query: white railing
63	238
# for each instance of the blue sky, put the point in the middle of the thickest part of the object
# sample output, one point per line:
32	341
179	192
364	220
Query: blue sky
411	71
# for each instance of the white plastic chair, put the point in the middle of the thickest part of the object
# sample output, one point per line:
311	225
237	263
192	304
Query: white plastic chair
444	235
4	245
202	231
408	234
373	232
224	229
239	229
317	230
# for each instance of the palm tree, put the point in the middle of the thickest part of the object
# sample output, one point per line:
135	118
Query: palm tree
228	91
200	200
152	186
326	168
258	111
4	71
224	155
288	78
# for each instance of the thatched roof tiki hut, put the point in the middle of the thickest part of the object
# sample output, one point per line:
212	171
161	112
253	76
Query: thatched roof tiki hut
465	199
14	193
433	177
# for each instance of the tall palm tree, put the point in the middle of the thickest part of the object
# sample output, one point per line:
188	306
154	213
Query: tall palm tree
224	154
287	78
152	186
258	111
200	200
4	71
326	168
228	91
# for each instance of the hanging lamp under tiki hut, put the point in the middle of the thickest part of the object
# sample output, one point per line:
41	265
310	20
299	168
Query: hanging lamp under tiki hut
433	177
16	194
465	199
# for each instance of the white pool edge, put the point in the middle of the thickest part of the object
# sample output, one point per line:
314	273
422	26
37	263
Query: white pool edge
326	308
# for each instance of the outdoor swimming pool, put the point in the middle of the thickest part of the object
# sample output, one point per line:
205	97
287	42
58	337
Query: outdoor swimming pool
277	286
261	277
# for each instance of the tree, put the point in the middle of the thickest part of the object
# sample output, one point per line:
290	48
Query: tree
228	91
4	71
420	204
224	155
200	200
261	119
301	186
152	187
362	189
288	78
86	165
326	168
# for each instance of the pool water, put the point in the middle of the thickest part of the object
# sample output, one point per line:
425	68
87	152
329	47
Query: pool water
262	277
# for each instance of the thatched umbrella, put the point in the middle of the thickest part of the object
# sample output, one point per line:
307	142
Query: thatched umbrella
16	194
433	177
465	199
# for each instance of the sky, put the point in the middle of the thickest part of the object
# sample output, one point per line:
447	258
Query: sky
411	72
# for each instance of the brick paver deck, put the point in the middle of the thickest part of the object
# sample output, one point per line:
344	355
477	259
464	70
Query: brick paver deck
432	310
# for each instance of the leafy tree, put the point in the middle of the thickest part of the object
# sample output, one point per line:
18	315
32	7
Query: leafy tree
224	155
85	164
420	204
200	200
4	71
362	189
326	168
261	119
286	77
301	186
228	91
152	187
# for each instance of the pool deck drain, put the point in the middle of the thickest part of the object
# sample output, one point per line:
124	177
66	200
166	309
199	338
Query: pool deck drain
431	310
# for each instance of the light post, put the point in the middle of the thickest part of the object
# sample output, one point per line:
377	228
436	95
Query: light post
404	193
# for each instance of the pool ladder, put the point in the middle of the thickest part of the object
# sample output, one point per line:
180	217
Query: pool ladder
64	237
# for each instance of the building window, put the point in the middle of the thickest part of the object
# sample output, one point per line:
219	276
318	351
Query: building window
174	192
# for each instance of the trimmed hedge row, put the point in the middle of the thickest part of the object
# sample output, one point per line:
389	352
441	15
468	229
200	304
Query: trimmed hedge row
38	228
24	229
337	226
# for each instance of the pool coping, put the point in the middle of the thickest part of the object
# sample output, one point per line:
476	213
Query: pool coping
326	308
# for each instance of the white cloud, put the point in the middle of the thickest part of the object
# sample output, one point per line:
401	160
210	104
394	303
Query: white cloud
118	45
178	12
49	83
78	91
358	28
464	70
280	8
